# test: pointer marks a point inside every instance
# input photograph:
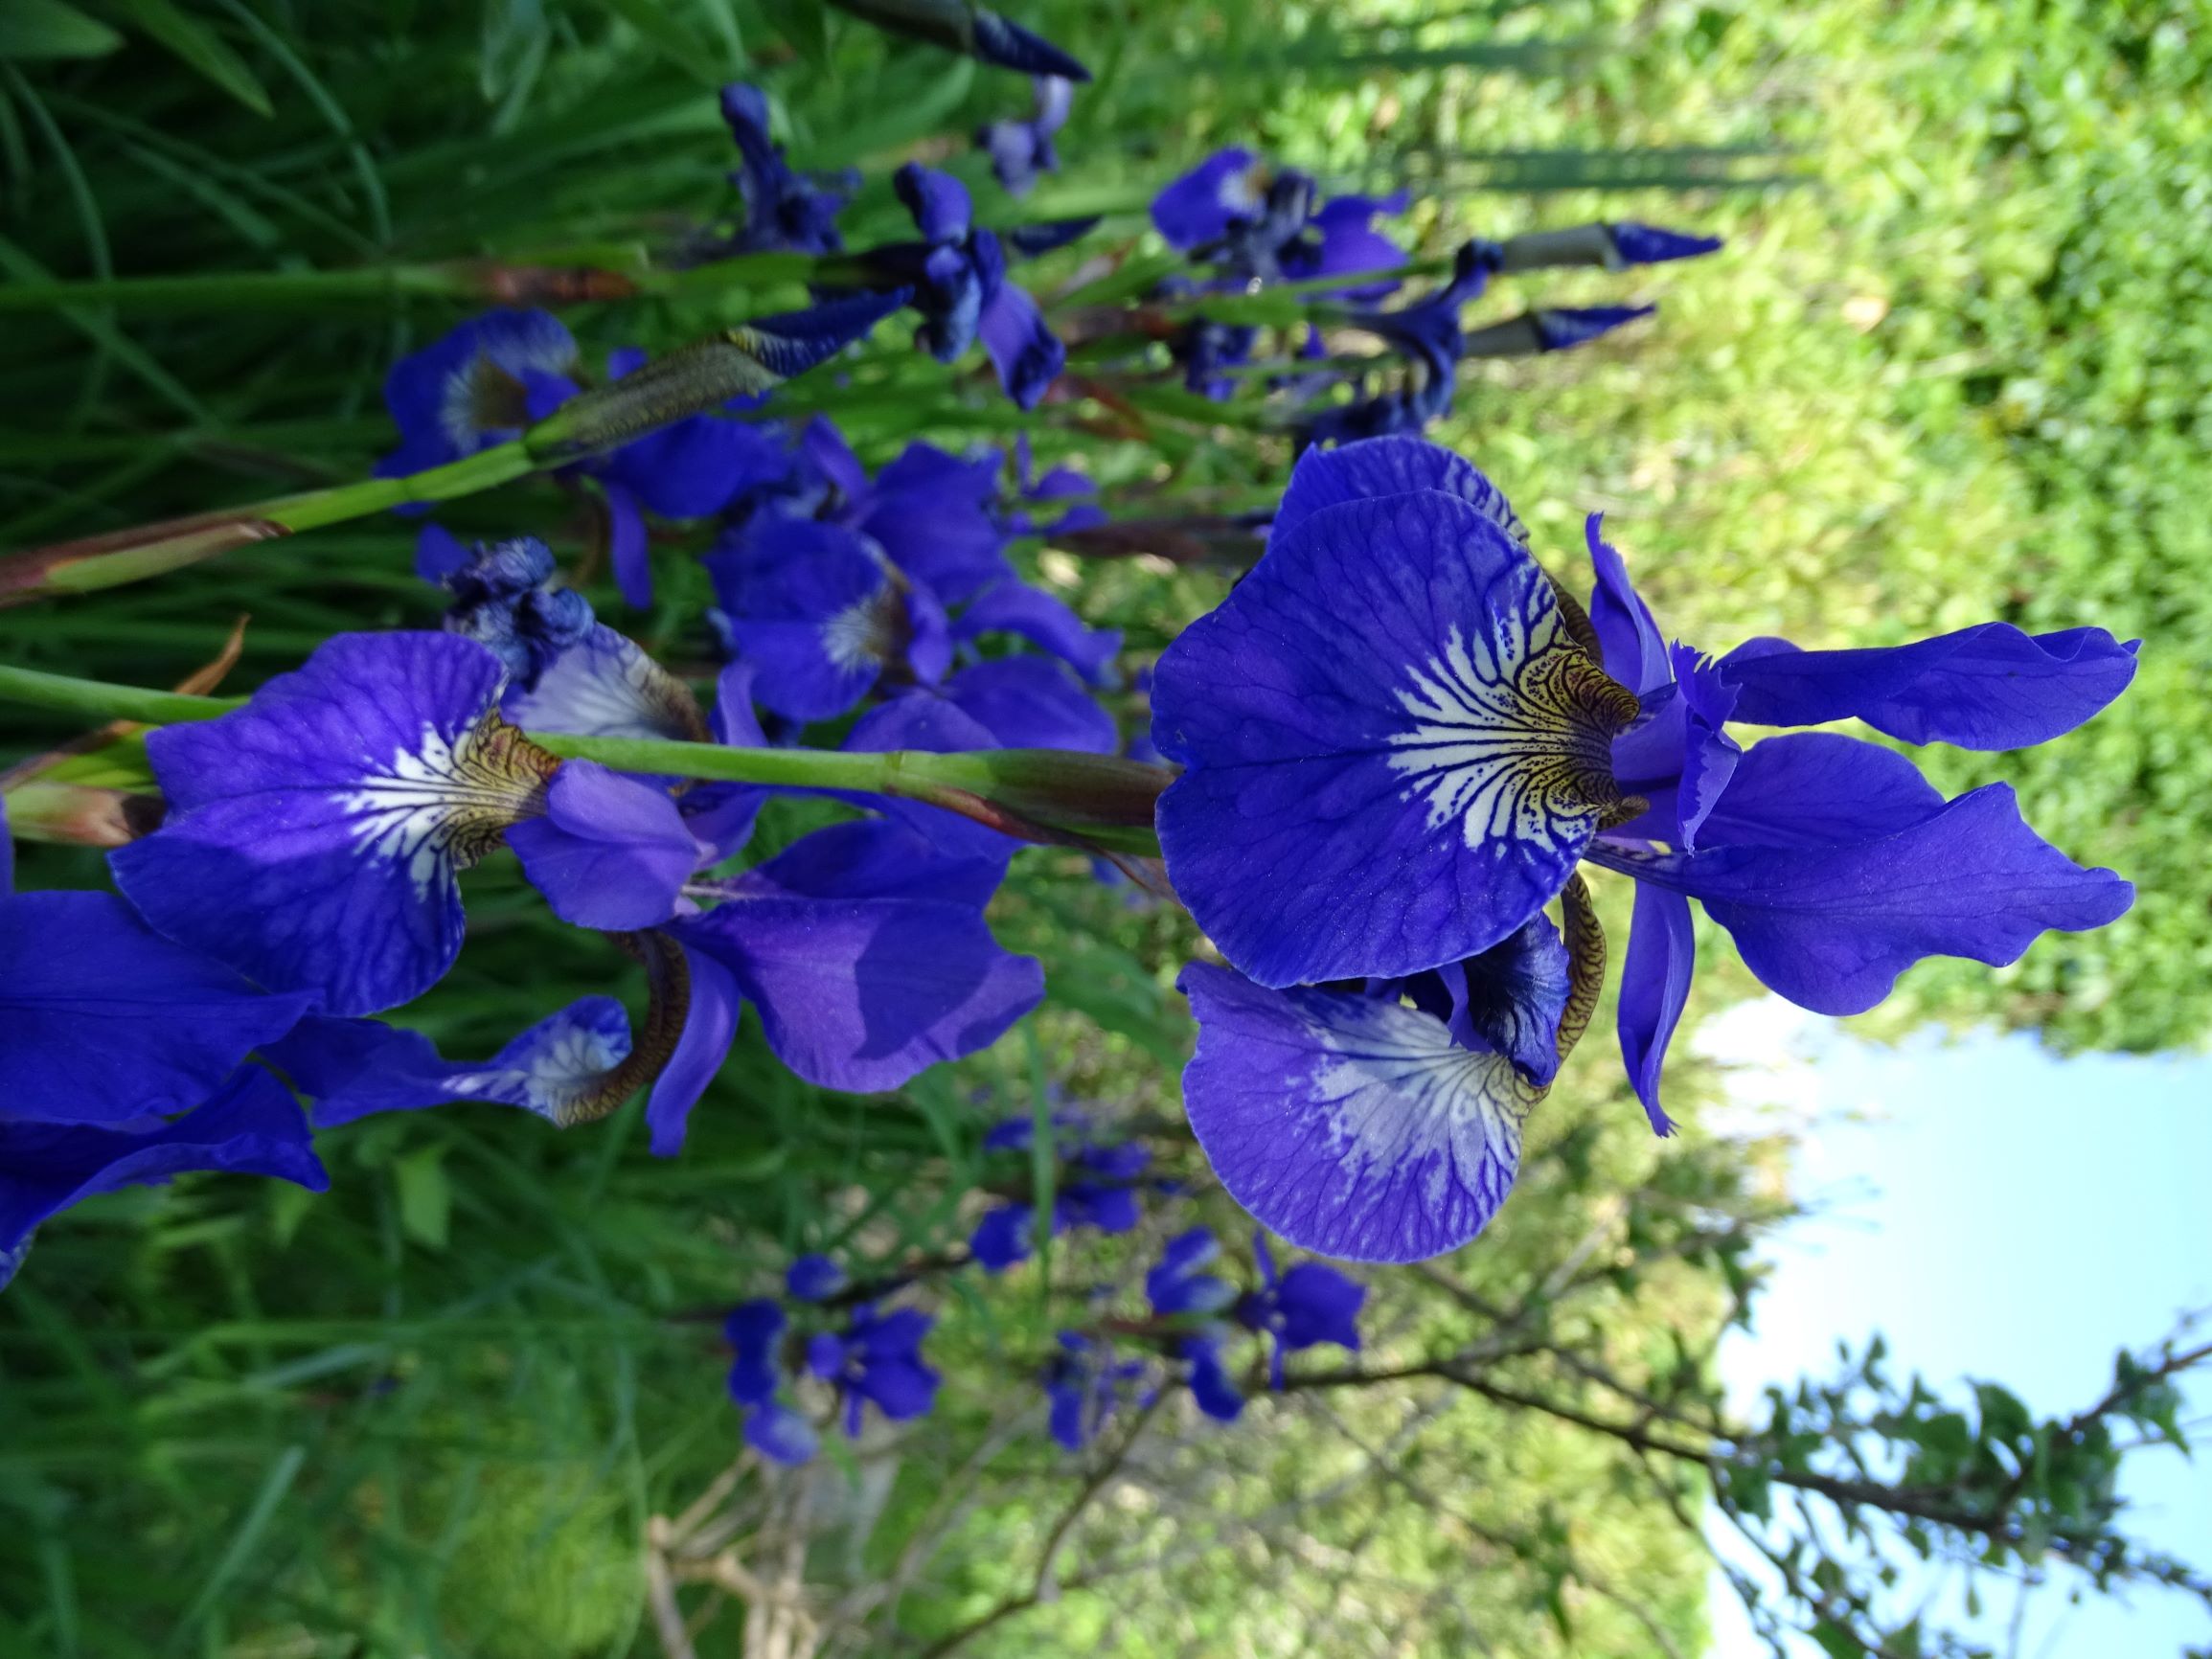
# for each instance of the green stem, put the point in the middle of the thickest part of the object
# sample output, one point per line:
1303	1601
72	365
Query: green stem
1037	792
149	550
98	700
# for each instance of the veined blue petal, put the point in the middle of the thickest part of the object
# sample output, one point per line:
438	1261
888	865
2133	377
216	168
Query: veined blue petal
560	1068
1379	467
103	1020
1636	652
1988	687
1831	927
249	1127
607	686
1395	752
860	993
1351	1126
314	835
1013	607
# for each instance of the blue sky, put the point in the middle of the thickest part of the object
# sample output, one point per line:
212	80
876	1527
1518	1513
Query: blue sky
1995	1211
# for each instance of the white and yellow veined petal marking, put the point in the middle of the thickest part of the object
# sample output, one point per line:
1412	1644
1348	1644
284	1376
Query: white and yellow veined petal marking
1512	730
445	804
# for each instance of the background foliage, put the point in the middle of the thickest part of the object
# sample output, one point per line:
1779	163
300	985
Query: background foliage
1952	367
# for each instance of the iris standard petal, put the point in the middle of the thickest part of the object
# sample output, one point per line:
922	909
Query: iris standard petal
1655	988
1832	927
1015	607
1989	687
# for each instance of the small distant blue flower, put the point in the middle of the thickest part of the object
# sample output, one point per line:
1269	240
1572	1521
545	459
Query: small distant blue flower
1430	337
1085	1383
478	385
1309	1305
814	1278
1020	151
785	211
1180	1284
1208	1376
957	275
878	1361
248	1124
1257	224
1097	1189
755	1332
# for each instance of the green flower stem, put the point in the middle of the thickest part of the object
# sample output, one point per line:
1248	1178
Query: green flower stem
149	550
1040	794
98	700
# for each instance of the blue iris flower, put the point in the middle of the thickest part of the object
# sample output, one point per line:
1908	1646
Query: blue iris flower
1179	1283
1098	1189
1084	1385
813	1277
315	836
755	1332
1430	337
957	275
1303	1307
877	1360
1372	800
491	376
1021	151
878	583
785	211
